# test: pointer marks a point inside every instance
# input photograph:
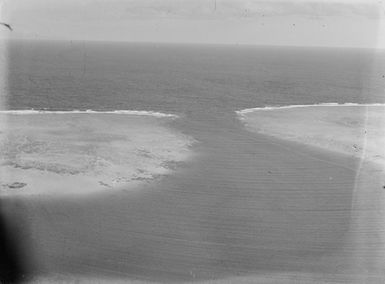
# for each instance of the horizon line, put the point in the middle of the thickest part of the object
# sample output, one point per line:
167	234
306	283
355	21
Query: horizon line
192	43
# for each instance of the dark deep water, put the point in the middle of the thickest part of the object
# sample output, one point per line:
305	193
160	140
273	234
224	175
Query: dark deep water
246	204
186	78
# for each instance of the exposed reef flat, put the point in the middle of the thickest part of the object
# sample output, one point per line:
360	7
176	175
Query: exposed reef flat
80	152
351	129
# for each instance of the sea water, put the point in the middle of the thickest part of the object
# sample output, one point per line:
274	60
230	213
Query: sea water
245	205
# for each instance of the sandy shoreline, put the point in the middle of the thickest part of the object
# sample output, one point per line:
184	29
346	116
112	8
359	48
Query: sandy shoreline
82	152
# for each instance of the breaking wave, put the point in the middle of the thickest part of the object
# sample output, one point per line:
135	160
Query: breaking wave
248	110
129	112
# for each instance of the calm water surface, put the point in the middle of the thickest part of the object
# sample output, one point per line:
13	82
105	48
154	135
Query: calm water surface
246	203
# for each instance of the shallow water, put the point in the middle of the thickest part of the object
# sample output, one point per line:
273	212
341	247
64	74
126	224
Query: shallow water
245	204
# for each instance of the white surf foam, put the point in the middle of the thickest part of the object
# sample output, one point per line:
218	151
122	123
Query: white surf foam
129	112
266	108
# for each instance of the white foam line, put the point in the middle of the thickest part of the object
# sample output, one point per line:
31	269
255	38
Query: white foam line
129	112
248	110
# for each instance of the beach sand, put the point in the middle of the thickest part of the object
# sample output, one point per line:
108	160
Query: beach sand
81	153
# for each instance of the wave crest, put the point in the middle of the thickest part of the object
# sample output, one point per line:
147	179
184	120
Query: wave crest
89	111
248	110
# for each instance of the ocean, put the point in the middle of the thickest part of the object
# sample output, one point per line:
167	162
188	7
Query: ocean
187	78
246	204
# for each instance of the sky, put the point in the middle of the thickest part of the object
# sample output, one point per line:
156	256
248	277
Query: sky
332	23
